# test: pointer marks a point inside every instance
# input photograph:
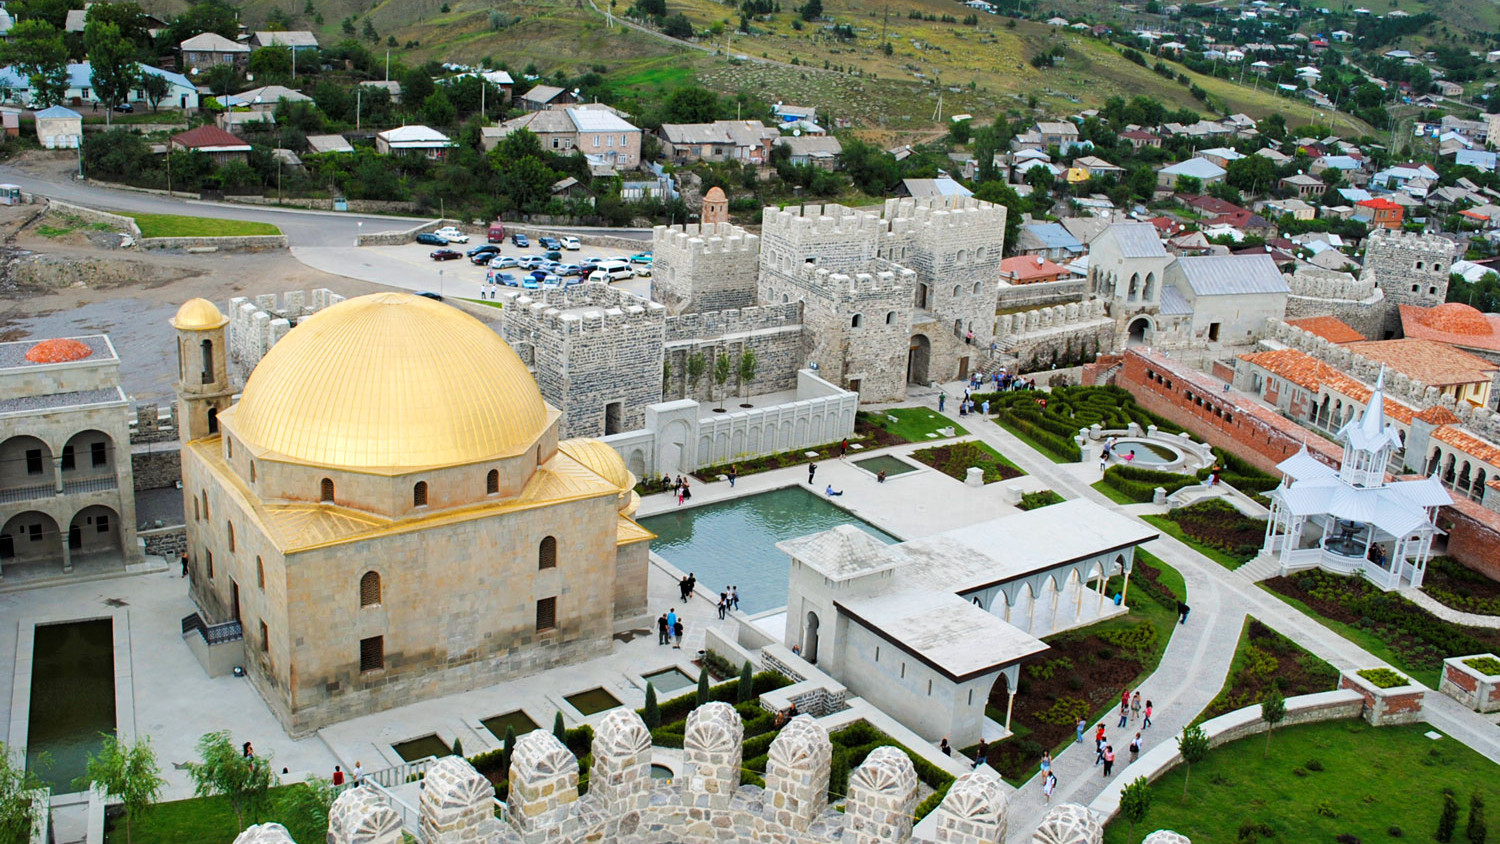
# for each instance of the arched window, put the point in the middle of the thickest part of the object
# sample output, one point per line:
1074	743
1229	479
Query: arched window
419	494
963	256
979	254
208	361
978	286
1419	265
854	323
369	589
890	317
326	493
958	290
231	535
205	505
492	482
546	555
260	573
213	421
785	298
958	328
196	515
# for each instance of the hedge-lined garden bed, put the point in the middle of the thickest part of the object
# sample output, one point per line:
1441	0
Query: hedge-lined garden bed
1451	583
1265	659
954	461
1216	529
1040	498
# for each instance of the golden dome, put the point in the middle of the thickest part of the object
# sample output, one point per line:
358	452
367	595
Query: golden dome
390	381
604	462
198	315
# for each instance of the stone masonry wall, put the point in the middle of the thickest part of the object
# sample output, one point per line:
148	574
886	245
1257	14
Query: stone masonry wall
156	467
698	268
1040	295
255	325
247	243
168	543
1412	269
773	332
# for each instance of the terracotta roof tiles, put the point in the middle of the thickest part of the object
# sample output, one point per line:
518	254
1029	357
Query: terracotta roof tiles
1332	329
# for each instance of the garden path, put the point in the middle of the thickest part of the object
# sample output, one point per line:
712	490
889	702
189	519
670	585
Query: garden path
1447	613
1197	660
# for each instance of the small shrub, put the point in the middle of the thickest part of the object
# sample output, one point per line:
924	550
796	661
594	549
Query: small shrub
1325	808
1313	765
1448	820
1346	838
1040	498
1394	832
1486	665
1383	678
1299	771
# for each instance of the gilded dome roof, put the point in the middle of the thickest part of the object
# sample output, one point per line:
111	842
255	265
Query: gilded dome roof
1457	318
390	381
604	462
198	315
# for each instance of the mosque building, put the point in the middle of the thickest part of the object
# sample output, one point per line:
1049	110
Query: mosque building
388	513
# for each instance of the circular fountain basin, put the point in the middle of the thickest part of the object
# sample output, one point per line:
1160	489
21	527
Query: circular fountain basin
1150	453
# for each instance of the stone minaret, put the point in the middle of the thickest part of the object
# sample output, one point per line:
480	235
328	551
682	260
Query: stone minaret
203	388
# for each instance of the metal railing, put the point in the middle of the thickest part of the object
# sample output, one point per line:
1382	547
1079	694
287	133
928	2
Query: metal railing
98	484
213	634
398	775
410	817
26	493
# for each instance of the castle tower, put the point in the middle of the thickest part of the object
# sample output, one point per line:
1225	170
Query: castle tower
1412	269
715	207
203	387
702	268
1369	442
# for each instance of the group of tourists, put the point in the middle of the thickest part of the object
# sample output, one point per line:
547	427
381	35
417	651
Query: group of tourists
1132	708
669	629
678	487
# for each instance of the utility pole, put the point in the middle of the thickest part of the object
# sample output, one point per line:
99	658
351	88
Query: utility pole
387	65
358	94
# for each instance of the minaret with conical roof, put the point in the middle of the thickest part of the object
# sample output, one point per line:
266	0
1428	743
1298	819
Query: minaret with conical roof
1369	442
203	387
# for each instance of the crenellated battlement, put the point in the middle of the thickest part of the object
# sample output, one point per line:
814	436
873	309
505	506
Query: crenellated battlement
255	325
582	309
1410	241
894	279
1318	283
708	239
715	324
821	221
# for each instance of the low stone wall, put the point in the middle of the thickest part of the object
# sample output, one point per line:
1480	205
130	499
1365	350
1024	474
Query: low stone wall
354	206
1039	295
813	692
1470	686
402	236
628	246
248	243
1156	762
168	543
156	465
1396	705
94	215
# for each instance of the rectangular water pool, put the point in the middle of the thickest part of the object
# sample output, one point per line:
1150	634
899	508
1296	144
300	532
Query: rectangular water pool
670	680
72	698
421	748
892	466
734	542
592	701
518	720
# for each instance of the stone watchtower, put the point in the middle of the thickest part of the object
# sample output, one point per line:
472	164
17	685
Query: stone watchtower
715	207
711	267
1411	268
203	386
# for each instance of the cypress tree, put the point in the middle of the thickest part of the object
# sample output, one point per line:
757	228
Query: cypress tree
1475	831
1448	820
747	683
510	747
703	686
458	747
652	713
560	729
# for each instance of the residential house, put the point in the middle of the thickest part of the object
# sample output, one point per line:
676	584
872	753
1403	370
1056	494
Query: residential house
1275	157
607	139
1396	177
77	19
1031	269
236	121
214	142
390	87
202	52
786	113
1479	159
413	140
1379	213
1303	185
1098	167
1219	213
1061	133
267	97
10	122
1048	240
1448	89
1475	130
329	143
1485	216
745	141
181	93
1205	171
1298	209
1351	169
296	40
815	150
1140	138
1219	155
546	96
59	128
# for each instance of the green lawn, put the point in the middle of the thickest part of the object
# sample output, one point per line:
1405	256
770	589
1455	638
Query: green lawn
174	225
1035	446
915	423
1365	639
1171	528
1376	783
1112	494
210	820
486	302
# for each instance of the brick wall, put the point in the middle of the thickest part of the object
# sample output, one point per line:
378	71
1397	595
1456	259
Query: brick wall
1473	535
156	468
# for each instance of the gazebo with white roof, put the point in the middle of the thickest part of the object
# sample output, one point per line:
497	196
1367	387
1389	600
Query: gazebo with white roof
1352	520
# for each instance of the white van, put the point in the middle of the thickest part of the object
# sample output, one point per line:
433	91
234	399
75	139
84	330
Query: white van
611	271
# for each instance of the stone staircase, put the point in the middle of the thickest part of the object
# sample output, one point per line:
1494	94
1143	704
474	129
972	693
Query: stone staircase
1263	567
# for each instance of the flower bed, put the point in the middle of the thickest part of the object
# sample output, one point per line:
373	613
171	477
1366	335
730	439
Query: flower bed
1486	665
1383	678
1451	583
1263	659
954	461
1217	524
1040	498
1417	640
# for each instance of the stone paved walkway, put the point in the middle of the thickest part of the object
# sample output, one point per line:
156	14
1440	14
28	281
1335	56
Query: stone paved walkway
1197	660
1447	613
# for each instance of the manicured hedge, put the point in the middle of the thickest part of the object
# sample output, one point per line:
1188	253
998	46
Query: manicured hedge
1140	484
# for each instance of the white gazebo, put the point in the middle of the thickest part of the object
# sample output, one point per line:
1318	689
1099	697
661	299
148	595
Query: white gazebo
1352	520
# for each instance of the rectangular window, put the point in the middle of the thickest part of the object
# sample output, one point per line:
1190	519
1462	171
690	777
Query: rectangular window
596	141
35	531
372	653
265	638
68	461
208	557
102	524
33	461
546	614
97	452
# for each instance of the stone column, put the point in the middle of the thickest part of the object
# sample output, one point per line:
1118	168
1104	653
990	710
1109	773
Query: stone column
362	816
458	803
882	796
621	776
265	833
974	810
1068	823
712	749
797	773
543	786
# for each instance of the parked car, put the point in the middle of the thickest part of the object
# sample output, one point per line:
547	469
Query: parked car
125	108
430	239
554	255
504	262
452	234
549	243
569	270
530	262
506	279
430	295
482	255
590	262
643	272
570	243
611	271
495	233
520	240
641	258
445	254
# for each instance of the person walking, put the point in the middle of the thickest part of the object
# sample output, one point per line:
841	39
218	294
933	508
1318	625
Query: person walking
184	564
843	448
1046	764
1081	727
338	776
1147	722
981	756
661	629
945	747
671	621
1049	785
1182	612
1099	733
723	604
1135	705
812	469
692	583
1124	715
687	492
734	596
1099	746
358	774
677	635
1109	759
1135	747
734	472
942	400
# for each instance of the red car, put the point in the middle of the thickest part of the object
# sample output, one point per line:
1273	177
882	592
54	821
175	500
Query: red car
445	254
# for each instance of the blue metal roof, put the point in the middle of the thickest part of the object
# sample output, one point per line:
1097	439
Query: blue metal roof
1054	236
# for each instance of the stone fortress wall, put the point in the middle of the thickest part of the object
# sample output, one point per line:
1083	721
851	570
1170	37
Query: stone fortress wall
705	803
1062	334
1359	303
1411	268
772	332
709	267
255	325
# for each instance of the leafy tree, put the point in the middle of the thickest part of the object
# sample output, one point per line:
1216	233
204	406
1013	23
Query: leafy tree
369	33
677	26
416	86
127	773
960	131
212	16
115	154
1251	174
559	729
19	811
224	770
54	12
129	17
224	79
703	682
1193	745
113	69
748	366
271	63
722	369
652	712
1475	831
652	8
307	807
1273	712
1135	801
1448	820
873	170
691	105
37	51
438	110
746	689
811	10
155	87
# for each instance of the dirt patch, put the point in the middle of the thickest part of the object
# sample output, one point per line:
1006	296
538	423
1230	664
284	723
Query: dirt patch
35	273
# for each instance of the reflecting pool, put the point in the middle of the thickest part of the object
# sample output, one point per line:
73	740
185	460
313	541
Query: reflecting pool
72	698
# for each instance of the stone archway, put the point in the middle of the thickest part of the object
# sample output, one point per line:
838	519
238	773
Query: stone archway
31	539
810	638
94	530
918	357
1138	332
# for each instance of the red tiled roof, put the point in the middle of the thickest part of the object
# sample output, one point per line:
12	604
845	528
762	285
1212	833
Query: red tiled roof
1024	268
1332	329
1438	415
1454	323
207	136
1428	361
1379	203
1311	374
